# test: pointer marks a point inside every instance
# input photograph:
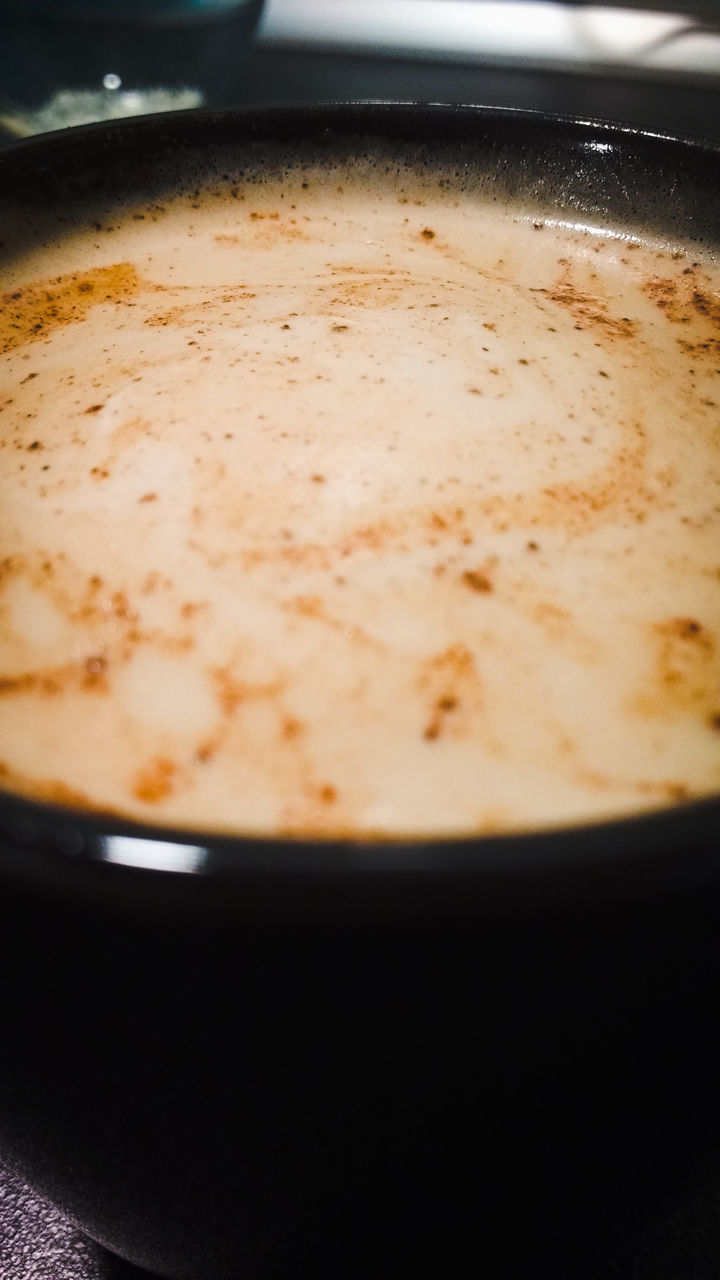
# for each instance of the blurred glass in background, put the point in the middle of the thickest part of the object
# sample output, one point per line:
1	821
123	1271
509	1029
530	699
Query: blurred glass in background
65	62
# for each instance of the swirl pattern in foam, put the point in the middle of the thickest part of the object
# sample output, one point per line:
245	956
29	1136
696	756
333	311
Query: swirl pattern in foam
344	500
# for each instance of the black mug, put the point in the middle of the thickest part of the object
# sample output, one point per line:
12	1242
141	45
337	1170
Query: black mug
244	1057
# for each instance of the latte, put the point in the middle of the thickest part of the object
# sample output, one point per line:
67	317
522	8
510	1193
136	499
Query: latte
343	499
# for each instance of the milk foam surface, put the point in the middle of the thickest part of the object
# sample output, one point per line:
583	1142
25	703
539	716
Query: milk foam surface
349	505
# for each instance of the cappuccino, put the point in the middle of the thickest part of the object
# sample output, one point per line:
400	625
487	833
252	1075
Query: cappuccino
345	499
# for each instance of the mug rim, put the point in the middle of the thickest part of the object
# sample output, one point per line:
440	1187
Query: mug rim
622	847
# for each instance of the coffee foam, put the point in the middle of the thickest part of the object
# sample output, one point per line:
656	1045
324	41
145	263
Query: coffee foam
354	497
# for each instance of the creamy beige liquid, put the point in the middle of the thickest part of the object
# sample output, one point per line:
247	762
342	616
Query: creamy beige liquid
343	506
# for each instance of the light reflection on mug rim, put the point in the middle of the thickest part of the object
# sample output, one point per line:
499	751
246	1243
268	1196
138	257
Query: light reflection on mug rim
158	855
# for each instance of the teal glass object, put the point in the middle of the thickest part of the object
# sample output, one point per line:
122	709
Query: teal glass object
66	62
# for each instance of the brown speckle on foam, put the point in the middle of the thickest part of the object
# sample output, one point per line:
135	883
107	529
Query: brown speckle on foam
451	681
156	781
476	580
47	790
95	677
35	311
445	704
684	671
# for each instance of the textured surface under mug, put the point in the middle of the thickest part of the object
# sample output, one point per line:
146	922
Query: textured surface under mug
38	1243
